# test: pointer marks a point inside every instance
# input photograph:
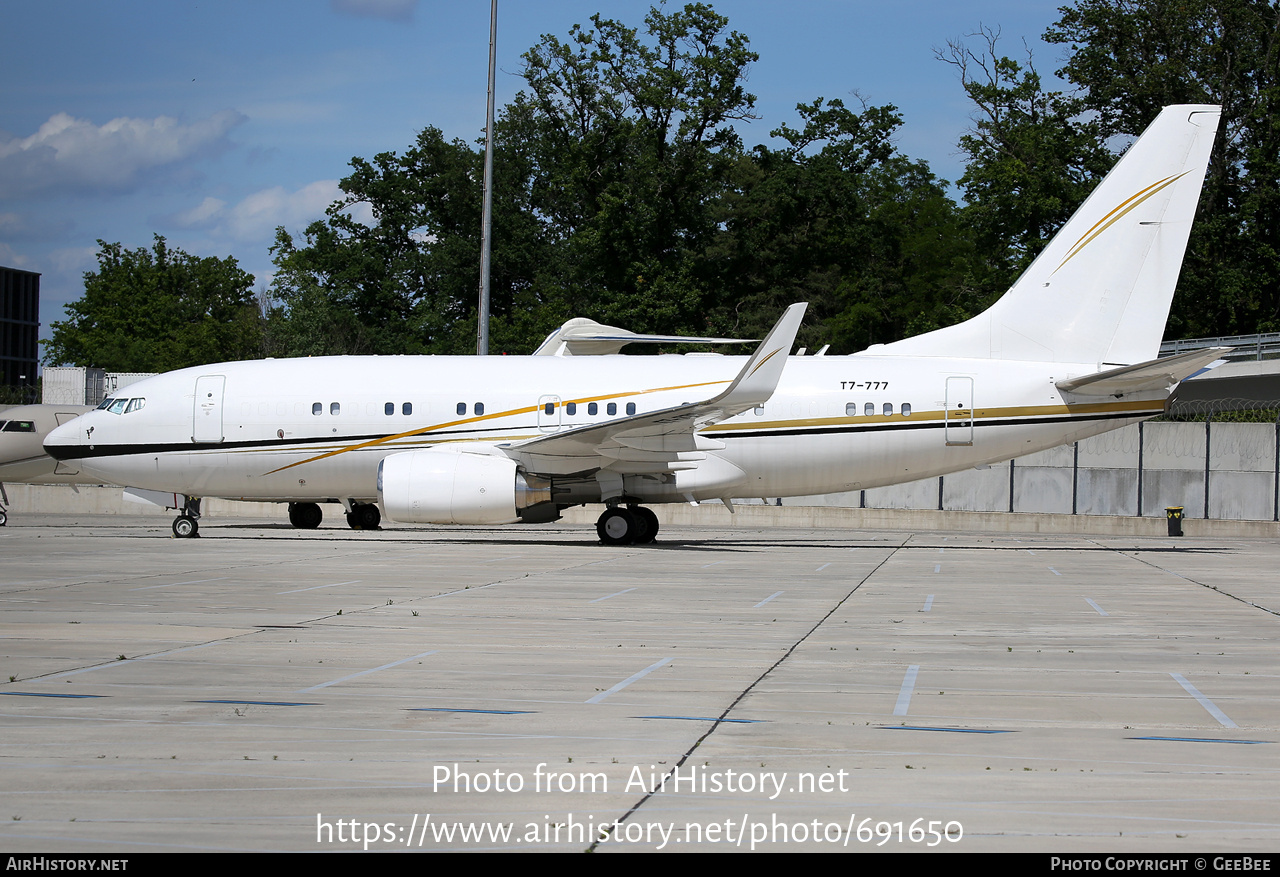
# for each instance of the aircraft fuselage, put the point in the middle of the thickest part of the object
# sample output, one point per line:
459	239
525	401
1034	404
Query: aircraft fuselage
316	429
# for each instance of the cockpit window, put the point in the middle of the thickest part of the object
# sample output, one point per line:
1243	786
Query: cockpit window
135	405
19	426
117	406
105	403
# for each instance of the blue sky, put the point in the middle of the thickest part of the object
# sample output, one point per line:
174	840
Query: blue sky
211	123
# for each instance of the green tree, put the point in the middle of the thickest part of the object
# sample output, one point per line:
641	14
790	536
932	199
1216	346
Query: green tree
623	192
1032	158
839	218
1130	58
632	143
607	171
156	310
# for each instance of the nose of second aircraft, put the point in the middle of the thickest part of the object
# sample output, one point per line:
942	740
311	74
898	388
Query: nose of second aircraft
63	441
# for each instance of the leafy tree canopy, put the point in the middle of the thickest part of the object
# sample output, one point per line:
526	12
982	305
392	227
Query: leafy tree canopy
1130	58
156	310
623	192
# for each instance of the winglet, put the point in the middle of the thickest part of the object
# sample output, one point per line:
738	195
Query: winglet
756	382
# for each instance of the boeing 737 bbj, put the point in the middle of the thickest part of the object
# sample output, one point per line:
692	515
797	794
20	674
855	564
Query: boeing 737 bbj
1068	352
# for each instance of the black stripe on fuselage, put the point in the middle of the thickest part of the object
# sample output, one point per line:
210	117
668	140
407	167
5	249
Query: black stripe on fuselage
931	424
81	452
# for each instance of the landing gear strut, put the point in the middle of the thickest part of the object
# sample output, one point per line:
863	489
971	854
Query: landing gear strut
364	516
633	525
187	524
305	515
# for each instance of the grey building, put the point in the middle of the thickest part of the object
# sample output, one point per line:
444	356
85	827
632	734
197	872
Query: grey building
19	327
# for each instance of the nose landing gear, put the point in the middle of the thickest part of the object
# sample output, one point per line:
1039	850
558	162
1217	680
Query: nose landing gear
187	524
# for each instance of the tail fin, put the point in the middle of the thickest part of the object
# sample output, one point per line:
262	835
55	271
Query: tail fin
1100	290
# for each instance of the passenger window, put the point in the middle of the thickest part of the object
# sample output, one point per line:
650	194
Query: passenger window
406	409
462	408
869	409
611	409
759	410
317	408
335	408
631	408
851	409
593	409
888	408
906	409
571	408
549	408
479	408
389	408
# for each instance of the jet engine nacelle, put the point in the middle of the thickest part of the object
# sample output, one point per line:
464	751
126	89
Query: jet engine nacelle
447	486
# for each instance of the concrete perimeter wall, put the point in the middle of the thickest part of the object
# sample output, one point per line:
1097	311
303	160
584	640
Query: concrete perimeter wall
1135	471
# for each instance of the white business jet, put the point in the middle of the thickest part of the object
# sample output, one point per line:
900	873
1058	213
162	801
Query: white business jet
1068	352
22	458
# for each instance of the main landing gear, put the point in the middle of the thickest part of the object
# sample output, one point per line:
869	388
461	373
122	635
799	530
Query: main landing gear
633	525
305	515
364	516
187	524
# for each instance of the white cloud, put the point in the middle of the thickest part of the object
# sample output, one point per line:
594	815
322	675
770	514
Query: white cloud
391	10
254	218
11	258
67	153
208	211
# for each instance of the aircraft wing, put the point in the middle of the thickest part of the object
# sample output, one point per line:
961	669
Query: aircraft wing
583	337
1153	375
666	440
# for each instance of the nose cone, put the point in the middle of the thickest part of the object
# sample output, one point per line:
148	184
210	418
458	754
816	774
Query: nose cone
65	441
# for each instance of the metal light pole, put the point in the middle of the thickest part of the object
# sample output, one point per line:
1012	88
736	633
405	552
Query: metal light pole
486	243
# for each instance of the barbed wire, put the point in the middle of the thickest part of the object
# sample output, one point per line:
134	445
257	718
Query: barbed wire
1224	410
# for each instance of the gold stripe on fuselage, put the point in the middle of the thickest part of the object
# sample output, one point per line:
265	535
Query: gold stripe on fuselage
497	415
1029	413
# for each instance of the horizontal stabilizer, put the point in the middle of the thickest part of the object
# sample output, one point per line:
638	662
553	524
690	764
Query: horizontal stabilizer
1151	376
583	337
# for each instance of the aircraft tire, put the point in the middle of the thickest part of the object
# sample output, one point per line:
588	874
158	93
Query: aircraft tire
364	516
368	516
305	515
4	518
617	526
185	527
649	524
